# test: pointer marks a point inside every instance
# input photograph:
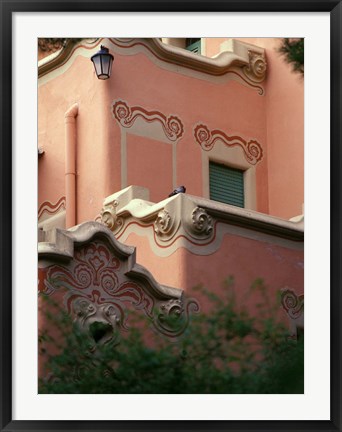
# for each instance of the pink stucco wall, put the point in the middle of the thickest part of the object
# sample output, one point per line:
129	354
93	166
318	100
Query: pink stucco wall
275	119
95	167
284	111
285	136
244	259
111	157
140	171
227	105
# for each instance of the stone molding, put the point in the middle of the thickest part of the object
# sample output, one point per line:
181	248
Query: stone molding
241	59
250	58
187	219
99	280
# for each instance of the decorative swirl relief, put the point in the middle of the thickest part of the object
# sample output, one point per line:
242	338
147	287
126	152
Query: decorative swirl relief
92	266
96	289
293	304
174	316
253	151
194	224
256	69
109	217
163	224
126	116
51	209
202	222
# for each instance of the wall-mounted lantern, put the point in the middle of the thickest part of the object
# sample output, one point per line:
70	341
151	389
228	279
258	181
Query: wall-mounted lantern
103	61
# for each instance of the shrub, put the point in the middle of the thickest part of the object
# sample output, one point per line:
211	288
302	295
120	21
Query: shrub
223	351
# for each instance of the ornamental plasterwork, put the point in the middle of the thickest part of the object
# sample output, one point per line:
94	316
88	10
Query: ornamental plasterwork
202	223
179	217
99	281
194	223
108	215
126	115
109	218
292	303
206	138
256	69
241	61
163	224
47	208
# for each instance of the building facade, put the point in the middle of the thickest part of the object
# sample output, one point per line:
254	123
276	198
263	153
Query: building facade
222	117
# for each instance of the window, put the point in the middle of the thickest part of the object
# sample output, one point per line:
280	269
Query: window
193	45
226	184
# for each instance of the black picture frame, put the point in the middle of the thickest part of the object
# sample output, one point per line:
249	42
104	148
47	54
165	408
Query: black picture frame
6	11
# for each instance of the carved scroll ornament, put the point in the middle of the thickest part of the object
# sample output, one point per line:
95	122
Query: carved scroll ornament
109	217
163	223
256	69
99	285
196	223
202	223
126	116
292	303
252	150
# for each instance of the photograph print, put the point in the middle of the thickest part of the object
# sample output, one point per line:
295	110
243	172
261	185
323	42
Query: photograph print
171	215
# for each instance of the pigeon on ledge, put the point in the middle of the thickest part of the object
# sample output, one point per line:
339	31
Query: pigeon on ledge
179	189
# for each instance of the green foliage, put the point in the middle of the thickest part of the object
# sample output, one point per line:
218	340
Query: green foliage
223	351
293	52
54	44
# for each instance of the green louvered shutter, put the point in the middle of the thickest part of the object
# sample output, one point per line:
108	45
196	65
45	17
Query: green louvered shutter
194	45
226	184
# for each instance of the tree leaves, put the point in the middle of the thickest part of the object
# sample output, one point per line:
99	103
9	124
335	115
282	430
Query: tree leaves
226	350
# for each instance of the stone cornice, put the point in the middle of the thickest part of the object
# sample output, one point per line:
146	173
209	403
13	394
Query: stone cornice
239	54
247	61
254	220
63	240
192	216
